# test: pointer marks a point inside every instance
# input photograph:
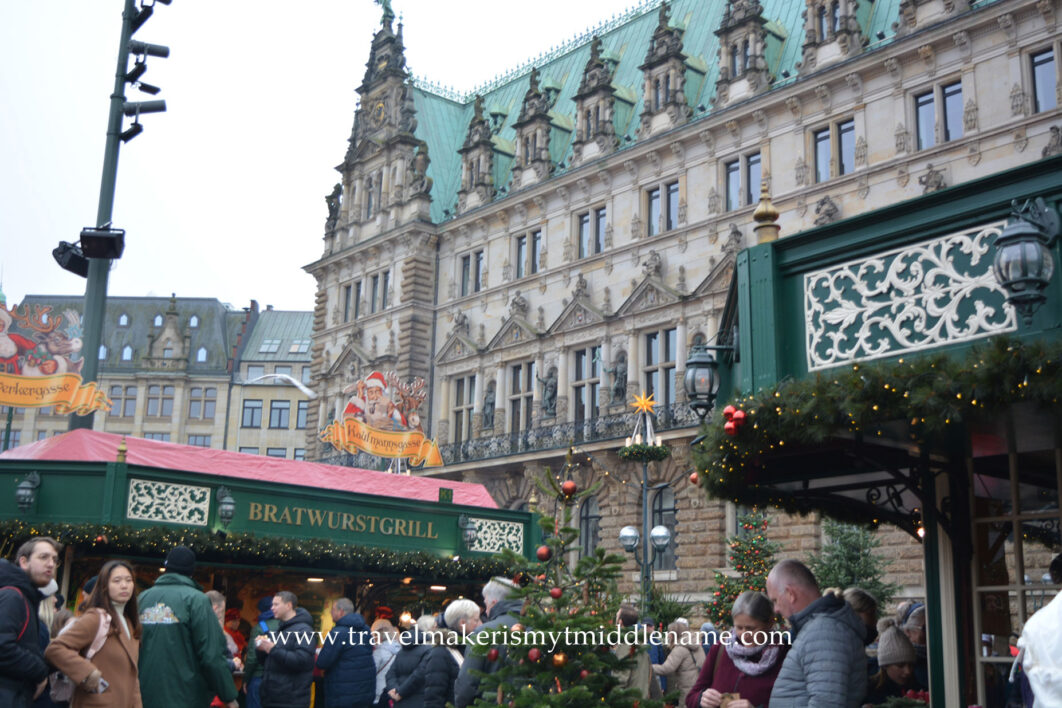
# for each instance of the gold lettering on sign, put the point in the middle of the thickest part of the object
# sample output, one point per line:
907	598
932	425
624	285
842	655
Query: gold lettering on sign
340	520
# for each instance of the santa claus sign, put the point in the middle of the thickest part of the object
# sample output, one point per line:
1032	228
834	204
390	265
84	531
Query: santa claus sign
40	362
382	417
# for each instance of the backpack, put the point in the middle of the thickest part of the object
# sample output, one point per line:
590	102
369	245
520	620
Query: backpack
60	687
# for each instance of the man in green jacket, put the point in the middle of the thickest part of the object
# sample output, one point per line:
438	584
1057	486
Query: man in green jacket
182	650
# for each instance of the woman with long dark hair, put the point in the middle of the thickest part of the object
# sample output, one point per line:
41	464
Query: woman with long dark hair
99	651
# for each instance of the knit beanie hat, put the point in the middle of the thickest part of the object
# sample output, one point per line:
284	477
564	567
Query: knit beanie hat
893	645
181	560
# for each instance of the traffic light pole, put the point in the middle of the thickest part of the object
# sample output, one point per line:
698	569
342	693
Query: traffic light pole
96	287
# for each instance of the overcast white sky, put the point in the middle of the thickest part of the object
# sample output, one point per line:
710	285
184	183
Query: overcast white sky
223	195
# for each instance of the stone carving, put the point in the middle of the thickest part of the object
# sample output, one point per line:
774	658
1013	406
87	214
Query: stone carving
333	202
908	299
855	84
903	138
969	116
608	236
826	211
793	104
681	279
801	172
420	183
1021	140
682	211
1017	101
864	186
973	152
861	151
932	180
507	271
488	407
1054	143
619	378
518	306
902	175
734	240
607	304
549	393
636	227
653	265
461	324
895	69
540	323
713	201
580	287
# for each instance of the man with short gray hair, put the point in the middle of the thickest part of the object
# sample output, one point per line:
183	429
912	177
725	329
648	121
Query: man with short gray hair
501	612
826	665
346	659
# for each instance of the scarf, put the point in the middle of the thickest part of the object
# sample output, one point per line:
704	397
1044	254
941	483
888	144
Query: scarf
744	658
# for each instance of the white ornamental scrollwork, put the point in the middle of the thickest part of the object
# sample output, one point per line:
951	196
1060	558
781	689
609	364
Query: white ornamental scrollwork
494	535
169	503
907	299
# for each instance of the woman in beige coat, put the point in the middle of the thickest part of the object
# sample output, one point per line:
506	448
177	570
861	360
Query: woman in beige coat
684	661
109	634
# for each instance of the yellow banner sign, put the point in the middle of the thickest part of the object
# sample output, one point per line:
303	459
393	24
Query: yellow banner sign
64	391
352	435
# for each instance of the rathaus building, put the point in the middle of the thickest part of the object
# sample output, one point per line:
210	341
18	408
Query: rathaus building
548	246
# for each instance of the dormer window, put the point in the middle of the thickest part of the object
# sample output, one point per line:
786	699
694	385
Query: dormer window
193	322
201	355
127	353
158	320
123	320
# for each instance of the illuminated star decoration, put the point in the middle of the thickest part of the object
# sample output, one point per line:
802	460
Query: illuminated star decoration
644	404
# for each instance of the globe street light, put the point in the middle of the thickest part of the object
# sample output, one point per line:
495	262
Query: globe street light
1023	263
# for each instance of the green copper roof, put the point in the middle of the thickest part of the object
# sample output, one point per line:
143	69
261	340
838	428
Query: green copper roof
442	121
280	336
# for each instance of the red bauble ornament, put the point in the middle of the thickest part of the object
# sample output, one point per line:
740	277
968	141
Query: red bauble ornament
541	577
544	553
560	659
533	654
569	488
738	417
584	674
729	428
492	655
555	593
695	478
728	412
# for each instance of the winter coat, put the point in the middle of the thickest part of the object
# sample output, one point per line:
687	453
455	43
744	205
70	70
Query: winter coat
288	672
383	656
252	668
22	664
466	689
1041	648
826	665
182	647
640	675
681	664
346	658
720	673
406	674
440	673
116	661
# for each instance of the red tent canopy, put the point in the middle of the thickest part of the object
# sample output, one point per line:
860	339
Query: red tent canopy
94	446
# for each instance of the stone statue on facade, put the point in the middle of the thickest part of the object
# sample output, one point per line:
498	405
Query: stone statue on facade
619	379
333	201
932	180
653	265
580	287
420	183
549	393
461	325
518	306
826	211
488	408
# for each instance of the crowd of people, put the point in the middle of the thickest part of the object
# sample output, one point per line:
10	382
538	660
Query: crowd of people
174	646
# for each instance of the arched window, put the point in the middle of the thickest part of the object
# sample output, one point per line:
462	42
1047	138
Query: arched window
201	355
103	352
822	23
667	89
664	515
123	320
588	127
745	57
589	525
656	94
127	353
158	320
193	321
735	68
836	12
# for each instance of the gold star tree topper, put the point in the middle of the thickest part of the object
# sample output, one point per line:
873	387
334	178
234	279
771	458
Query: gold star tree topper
644	404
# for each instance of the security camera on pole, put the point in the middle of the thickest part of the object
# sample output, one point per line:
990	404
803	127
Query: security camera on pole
100	244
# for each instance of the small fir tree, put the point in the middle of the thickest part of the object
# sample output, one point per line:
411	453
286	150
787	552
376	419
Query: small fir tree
582	600
848	559
751	555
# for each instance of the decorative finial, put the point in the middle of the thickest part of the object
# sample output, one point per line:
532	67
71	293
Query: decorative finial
766	217
122	449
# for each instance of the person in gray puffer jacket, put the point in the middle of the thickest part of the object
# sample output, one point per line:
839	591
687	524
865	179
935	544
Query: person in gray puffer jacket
501	613
826	665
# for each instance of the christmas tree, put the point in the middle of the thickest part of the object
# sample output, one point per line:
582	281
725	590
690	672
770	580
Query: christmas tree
848	560
559	653
751	555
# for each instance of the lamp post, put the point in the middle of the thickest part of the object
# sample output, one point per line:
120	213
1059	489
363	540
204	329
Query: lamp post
26	491
644	450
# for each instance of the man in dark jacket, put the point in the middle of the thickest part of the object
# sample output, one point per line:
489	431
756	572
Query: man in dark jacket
182	649
501	613
252	669
826	664
289	655
22	665
346	659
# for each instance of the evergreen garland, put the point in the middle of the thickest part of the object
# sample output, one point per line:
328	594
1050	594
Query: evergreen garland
928	395
640	452
234	547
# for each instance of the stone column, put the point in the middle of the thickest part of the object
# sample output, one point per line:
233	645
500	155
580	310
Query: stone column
604	389
477	405
680	360
501	399
563	387
444	410
634	364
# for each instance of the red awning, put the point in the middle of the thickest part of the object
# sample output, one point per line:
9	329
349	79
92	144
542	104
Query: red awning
94	446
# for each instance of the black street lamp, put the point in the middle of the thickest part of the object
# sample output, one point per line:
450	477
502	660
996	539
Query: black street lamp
26	492
702	381
226	506
1023	263
469	530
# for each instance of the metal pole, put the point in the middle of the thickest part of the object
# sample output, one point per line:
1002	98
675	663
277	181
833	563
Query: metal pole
96	287
7	428
647	561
